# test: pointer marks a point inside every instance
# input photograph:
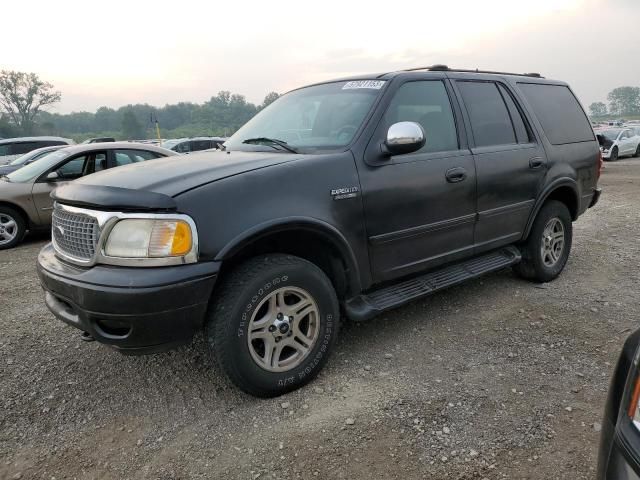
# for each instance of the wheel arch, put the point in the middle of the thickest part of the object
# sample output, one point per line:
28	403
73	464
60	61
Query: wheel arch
564	190
308	238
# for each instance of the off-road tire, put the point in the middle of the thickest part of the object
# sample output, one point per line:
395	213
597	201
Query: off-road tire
532	267
236	299
21	225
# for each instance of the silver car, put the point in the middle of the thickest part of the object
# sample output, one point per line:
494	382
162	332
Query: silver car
25	195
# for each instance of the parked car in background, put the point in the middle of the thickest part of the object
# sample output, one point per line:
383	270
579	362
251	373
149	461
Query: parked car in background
12	148
187	145
28	158
99	140
25	195
350	197
618	142
619	453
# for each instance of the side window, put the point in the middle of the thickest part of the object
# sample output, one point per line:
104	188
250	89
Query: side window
519	125
197	145
490	120
559	113
72	169
427	103
100	163
124	157
182	147
24	147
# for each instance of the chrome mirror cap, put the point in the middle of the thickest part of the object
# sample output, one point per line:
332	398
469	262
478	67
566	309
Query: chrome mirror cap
404	137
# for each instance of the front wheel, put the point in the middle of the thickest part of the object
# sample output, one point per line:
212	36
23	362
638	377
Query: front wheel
614	154
546	250
12	228
637	154
272	324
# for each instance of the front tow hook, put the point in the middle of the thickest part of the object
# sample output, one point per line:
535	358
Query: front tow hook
86	337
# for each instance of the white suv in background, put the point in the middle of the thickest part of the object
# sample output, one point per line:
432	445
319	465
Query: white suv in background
12	148
619	141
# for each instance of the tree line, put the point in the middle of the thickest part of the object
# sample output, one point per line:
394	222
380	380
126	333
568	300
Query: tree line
623	101
24	97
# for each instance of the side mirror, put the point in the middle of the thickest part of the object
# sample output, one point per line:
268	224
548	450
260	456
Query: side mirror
404	137
52	176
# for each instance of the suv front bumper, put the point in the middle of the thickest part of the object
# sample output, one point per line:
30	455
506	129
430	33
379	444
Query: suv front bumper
135	310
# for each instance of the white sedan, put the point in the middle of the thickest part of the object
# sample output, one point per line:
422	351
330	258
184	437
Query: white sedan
617	142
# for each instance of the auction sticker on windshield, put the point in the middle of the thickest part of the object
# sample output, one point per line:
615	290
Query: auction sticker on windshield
374	84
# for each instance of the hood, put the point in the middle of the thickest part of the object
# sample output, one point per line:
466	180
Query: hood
171	176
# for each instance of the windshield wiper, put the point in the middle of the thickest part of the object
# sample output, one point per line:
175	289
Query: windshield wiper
273	141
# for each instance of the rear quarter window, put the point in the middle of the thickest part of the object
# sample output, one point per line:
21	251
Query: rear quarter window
559	113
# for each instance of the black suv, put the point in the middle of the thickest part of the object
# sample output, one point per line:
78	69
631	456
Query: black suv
341	199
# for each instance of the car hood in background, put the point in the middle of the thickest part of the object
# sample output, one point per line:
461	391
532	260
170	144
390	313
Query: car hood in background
173	175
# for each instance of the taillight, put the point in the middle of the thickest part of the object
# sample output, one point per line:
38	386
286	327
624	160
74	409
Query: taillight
600	164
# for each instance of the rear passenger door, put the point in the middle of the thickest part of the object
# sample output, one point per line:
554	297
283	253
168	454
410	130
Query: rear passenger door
510	164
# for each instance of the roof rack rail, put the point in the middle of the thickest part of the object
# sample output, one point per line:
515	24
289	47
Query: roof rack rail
445	68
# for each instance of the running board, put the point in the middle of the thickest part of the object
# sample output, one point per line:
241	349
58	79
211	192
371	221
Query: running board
368	305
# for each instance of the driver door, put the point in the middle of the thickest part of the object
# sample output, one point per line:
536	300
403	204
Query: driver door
420	208
67	171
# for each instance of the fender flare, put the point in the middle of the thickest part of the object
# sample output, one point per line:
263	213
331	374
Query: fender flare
330	233
549	189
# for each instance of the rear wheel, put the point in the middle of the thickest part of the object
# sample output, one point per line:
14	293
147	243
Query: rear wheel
546	250
272	324
637	154
12	228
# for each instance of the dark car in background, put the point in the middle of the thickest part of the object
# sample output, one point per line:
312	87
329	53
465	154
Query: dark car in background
187	145
12	148
28	158
619	454
25	194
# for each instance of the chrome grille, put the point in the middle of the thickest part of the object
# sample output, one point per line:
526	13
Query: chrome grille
74	234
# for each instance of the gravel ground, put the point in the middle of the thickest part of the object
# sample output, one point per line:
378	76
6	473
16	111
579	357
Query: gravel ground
497	378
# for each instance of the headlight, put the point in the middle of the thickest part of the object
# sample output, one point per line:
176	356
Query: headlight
149	238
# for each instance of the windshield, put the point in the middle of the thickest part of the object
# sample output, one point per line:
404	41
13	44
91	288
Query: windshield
35	169
611	134
320	117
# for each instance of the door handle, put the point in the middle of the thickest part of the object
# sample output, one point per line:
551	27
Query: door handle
456	174
536	162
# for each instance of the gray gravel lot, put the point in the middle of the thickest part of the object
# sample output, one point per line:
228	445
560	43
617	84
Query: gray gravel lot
497	378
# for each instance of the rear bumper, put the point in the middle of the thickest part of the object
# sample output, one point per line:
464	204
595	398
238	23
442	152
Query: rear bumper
135	310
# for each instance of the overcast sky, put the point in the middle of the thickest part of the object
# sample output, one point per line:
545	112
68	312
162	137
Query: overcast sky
119	52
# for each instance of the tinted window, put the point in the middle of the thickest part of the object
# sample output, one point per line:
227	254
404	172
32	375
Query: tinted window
200	145
522	133
426	103
488	113
72	169
124	157
24	147
559	113
182	147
